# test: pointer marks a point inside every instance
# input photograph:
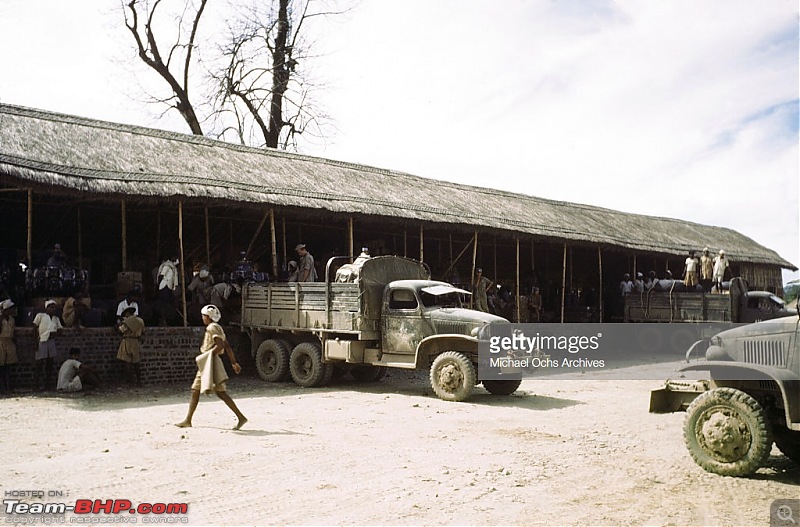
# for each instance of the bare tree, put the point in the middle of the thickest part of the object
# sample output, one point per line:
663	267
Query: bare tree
261	82
149	52
255	87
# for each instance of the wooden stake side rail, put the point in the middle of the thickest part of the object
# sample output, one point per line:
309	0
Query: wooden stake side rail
303	306
677	307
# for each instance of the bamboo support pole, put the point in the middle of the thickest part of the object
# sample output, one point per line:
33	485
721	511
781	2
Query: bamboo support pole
30	229
273	243
519	309
421	244
563	282
80	239
124	213
255	236
208	238
350	241
494	258
283	233
453	262
472	274
183	263
600	269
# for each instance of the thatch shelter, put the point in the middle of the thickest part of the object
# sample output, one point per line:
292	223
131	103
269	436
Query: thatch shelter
121	196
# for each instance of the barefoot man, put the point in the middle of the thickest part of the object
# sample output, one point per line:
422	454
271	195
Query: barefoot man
211	374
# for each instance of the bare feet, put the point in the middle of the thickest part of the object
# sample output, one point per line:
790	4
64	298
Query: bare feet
187	424
240	424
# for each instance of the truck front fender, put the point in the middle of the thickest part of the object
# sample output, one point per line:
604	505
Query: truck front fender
787	382
430	347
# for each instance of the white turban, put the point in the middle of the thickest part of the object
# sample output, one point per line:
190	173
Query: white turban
212	312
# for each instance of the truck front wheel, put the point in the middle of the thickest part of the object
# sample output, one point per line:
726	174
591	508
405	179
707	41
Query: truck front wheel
306	366
272	360
727	432
452	376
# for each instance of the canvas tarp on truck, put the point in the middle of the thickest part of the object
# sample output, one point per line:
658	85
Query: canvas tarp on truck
379	271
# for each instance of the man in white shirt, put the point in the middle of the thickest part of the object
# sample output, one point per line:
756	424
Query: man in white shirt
74	376
47	324
168	280
128	301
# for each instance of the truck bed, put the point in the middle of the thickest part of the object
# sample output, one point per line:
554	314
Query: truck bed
299	306
677	307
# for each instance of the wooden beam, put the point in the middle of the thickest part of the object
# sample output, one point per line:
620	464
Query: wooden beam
255	236
472	274
600	268
563	282
80	239
124	214
30	228
208	239
183	263
421	244
519	309
273	243
350	241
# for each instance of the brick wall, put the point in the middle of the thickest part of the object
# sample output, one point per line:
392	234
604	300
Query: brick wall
167	353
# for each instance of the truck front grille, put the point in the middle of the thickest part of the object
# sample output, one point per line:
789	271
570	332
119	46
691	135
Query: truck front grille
456	328
765	352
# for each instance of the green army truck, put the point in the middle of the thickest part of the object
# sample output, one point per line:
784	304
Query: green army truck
750	399
389	314
668	305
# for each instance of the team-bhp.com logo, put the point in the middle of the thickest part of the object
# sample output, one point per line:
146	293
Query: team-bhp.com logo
84	509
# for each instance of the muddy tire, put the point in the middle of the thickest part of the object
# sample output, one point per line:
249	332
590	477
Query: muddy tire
497	387
452	376
306	366
272	360
727	432
788	441
368	373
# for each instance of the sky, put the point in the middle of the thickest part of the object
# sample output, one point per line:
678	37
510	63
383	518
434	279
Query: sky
681	109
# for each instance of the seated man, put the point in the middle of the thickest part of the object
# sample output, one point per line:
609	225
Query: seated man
74	376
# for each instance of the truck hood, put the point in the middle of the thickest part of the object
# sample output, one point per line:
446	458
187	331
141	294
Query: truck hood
460	321
768	343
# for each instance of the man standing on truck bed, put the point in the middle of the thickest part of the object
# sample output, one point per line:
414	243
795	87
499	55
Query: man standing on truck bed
306	272
690	272
721	264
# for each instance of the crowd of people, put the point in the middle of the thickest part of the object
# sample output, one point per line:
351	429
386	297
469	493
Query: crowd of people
207	296
704	274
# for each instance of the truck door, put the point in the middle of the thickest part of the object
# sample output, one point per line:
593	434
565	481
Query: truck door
402	324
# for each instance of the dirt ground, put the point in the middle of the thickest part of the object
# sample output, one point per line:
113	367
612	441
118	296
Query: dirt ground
558	452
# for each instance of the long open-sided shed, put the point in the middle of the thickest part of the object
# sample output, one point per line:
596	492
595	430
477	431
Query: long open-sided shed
121	197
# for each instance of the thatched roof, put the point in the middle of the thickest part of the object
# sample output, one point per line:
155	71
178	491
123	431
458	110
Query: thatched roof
68	153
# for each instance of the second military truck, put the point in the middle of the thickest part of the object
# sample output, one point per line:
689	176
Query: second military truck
388	314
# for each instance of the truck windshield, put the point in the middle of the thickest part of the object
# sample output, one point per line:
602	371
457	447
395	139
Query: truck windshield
446	300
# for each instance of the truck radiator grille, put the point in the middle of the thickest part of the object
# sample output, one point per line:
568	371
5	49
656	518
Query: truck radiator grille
765	352
458	328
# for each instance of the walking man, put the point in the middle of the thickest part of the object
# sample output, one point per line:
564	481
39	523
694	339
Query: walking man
211	374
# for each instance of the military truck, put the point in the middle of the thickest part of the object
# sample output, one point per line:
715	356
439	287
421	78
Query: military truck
751	399
741	305
391	315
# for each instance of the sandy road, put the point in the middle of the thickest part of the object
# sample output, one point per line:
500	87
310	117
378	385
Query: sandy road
557	452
